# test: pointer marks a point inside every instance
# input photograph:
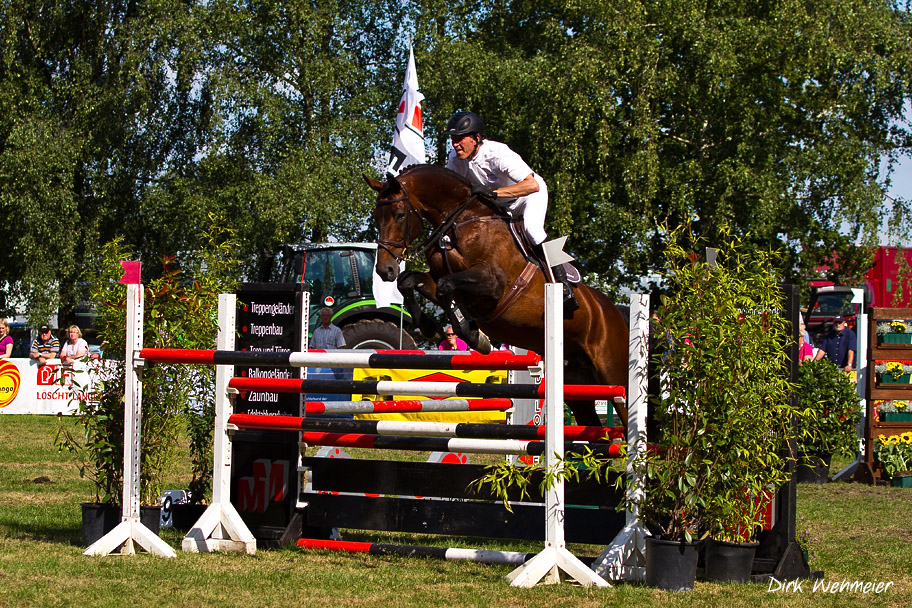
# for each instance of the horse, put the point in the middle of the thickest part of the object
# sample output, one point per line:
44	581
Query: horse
477	268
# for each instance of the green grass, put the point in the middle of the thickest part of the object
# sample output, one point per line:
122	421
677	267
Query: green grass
863	534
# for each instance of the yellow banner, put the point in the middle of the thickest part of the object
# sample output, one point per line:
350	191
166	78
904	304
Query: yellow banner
479	377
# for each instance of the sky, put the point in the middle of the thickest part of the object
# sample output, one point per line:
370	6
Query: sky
902	179
901	187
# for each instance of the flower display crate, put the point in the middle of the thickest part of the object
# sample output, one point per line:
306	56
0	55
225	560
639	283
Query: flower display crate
896	339
901	481
896	417
889	379
872	470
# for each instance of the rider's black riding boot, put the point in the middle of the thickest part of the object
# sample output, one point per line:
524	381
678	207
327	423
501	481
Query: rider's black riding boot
570	302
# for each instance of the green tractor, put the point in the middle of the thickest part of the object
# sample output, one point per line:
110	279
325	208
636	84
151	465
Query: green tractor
340	276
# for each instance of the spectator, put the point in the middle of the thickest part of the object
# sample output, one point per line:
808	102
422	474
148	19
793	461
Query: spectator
6	341
45	347
803	329
75	347
840	345
327	335
452	341
805	349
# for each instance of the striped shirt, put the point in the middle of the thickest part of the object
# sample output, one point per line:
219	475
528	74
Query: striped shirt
51	347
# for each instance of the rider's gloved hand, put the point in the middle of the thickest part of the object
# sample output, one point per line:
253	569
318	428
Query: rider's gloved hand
485	191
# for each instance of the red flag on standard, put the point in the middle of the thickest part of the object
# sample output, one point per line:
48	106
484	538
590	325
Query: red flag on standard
408	139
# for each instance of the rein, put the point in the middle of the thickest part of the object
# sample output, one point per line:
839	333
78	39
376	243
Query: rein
444	227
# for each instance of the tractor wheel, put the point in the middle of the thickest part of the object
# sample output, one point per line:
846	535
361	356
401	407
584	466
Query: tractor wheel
376	334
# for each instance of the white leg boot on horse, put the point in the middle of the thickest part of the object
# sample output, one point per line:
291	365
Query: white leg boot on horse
467	330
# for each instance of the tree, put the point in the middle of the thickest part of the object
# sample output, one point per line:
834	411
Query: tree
778	119
98	101
306	97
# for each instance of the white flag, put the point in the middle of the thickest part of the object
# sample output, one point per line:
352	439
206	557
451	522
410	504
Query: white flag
407	149
408	139
386	293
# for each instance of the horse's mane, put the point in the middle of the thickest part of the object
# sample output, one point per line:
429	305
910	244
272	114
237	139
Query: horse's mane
429	168
419	171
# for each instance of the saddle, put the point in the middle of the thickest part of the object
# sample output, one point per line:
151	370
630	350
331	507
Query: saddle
518	232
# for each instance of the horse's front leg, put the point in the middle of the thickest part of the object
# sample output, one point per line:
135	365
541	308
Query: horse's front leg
478	281
408	283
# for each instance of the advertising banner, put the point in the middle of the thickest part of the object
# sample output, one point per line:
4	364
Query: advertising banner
266	322
402	375
27	388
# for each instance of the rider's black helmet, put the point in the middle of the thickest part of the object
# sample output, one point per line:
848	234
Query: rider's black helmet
464	123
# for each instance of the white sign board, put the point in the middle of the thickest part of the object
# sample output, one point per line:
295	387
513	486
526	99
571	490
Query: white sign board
27	388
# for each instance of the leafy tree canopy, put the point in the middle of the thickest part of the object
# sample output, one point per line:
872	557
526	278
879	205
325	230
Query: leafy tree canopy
133	119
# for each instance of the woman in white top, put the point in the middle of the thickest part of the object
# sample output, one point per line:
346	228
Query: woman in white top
75	347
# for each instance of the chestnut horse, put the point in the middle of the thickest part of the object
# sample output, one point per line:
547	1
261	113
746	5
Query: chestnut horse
474	263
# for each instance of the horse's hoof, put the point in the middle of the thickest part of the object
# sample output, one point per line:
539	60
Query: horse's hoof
482	343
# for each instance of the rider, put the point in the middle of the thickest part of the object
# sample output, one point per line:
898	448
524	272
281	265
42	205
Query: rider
500	174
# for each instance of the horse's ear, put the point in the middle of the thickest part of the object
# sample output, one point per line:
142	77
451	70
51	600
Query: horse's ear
374	184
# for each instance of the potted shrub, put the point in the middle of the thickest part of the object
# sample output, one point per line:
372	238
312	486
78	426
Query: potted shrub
724	412
179	313
894	452
829	425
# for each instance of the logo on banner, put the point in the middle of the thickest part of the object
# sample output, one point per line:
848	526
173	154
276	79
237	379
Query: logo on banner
9	382
268	483
47	375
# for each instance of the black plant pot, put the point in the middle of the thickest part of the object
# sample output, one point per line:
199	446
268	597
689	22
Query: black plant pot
813	468
99	519
183	516
729	562
670	565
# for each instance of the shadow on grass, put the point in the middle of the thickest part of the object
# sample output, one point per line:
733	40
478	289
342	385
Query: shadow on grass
16	529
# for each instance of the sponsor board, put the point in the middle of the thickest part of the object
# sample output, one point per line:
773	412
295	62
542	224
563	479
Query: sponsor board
27	388
399	375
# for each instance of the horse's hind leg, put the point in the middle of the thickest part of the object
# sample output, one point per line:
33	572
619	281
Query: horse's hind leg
584	412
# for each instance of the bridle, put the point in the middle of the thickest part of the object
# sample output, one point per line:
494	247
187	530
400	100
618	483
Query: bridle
435	235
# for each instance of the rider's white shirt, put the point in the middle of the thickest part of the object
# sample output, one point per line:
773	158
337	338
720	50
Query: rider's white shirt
496	165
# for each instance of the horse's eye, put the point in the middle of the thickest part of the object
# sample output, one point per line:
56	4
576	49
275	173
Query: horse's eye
400	215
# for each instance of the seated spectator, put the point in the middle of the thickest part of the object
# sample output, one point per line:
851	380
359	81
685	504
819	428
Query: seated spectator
452	342
6	340
75	347
45	347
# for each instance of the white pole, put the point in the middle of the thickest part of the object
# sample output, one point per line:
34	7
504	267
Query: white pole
133	403
625	557
130	532
861	381
221	528
221	442
555	556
